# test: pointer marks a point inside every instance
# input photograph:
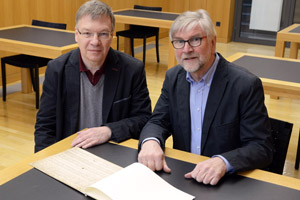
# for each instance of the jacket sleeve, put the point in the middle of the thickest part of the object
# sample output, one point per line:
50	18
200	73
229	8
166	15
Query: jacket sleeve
45	126
256	147
159	125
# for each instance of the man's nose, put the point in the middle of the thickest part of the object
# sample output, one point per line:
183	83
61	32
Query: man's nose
187	47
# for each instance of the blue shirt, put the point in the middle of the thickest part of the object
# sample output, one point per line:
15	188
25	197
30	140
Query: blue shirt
198	97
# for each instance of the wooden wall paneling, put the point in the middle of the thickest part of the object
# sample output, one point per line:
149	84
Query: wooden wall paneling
197	4
178	6
222	11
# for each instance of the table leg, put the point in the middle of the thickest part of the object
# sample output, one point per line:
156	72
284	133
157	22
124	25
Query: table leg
127	42
26	81
279	49
172	59
294	50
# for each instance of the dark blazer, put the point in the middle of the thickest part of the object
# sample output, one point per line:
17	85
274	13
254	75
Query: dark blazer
235	124
126	102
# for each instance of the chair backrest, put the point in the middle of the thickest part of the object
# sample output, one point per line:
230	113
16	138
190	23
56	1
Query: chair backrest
145	28
281	133
49	24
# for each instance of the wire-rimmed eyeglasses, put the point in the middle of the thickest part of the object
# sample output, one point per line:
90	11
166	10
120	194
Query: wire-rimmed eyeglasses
101	36
193	42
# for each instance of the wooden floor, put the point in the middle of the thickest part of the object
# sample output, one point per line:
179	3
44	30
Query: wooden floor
17	115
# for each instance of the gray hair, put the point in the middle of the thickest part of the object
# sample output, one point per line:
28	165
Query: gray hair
95	9
190	19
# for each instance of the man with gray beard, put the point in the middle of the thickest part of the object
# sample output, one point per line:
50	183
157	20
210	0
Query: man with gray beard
210	107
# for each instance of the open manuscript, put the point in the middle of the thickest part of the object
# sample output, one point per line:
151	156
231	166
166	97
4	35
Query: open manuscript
101	179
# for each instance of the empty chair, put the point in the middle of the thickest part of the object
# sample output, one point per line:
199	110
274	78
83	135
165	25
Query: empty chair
27	61
281	133
141	32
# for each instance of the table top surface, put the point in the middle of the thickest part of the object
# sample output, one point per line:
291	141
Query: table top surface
147	14
271	67
38	35
295	30
21	168
36	185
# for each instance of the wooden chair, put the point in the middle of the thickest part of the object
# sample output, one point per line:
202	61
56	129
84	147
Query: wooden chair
27	61
281	133
141	32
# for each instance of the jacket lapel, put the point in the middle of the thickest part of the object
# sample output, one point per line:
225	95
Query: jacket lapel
183	91
72	96
112	73
215	95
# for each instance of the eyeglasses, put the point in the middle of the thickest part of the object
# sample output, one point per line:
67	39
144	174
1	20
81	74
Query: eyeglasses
101	36
193	42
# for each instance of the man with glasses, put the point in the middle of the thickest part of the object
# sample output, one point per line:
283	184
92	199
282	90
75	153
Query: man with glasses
210	107
95	89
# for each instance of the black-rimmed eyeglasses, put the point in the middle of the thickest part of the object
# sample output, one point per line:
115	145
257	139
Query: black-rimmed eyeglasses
101	36
193	42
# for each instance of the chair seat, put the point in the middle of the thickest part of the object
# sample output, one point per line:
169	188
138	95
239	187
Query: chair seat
136	34
26	61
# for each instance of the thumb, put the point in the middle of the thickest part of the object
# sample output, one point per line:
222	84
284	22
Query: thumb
165	167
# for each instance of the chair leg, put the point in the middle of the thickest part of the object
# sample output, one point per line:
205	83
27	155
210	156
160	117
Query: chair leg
144	51
32	75
132	46
117	42
37	88
298	154
3	70
157	48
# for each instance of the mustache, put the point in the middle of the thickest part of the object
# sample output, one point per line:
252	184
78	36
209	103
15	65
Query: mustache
185	56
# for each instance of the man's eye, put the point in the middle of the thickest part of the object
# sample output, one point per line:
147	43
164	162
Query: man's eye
194	39
180	41
87	34
103	34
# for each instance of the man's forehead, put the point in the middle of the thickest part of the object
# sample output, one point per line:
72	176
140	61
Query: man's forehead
189	30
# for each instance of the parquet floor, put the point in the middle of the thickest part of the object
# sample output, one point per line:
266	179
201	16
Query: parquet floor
17	114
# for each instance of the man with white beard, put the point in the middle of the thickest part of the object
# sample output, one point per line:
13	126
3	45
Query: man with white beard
210	107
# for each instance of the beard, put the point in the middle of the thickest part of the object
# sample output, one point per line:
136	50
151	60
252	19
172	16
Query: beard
192	62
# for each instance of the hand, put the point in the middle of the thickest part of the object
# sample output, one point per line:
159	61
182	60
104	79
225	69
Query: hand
92	137
209	171
153	157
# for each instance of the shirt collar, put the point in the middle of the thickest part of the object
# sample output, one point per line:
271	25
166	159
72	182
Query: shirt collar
208	76
94	79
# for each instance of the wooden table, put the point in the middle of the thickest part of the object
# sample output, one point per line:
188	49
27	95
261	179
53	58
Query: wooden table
280	76
11	172
290	34
36	41
146	18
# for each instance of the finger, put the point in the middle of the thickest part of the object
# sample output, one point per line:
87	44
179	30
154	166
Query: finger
158	165
165	167
151	165
215	181
76	141
200	177
188	175
206	179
